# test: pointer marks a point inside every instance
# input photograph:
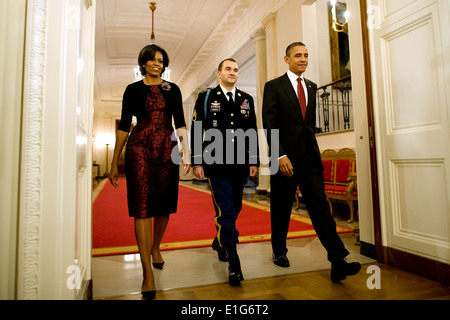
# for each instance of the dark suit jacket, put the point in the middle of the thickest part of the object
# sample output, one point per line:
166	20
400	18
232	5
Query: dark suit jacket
223	116
281	110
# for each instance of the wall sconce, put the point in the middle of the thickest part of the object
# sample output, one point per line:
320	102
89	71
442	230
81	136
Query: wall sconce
339	27
137	74
166	75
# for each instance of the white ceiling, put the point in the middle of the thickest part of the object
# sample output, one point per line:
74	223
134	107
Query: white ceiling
123	28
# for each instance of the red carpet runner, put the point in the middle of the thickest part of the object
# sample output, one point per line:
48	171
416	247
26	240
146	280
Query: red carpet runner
192	226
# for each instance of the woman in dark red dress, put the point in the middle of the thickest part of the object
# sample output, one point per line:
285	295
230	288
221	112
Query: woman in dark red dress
152	176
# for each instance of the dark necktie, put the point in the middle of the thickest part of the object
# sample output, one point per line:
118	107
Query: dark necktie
230	97
301	96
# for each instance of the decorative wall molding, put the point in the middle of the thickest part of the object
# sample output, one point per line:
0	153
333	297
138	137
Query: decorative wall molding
31	162
233	16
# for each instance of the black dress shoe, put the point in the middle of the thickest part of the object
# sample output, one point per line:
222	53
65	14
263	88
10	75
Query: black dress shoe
281	261
221	251
235	275
342	269
149	295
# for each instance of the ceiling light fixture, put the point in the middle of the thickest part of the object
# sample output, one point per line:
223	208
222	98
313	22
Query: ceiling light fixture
153	8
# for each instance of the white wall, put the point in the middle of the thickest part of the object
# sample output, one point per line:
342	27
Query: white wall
12	29
104	133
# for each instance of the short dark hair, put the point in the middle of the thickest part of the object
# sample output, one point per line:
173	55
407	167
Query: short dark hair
221	63
148	53
292	45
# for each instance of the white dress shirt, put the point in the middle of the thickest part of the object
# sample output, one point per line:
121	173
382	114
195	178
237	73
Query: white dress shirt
293	77
233	92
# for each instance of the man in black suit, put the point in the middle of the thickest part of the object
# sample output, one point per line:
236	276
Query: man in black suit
224	149
289	106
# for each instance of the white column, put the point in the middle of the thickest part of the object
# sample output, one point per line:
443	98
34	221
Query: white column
259	38
269	24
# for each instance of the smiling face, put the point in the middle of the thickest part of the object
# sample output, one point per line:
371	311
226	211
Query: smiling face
297	60
228	75
152	59
155	66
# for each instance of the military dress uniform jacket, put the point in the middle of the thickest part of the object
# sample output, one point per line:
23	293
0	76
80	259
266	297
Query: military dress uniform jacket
224	125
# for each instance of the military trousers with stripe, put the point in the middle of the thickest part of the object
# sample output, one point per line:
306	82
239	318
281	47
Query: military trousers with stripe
227	199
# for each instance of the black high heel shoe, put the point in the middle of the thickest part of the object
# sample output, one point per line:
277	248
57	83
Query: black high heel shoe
149	295
158	265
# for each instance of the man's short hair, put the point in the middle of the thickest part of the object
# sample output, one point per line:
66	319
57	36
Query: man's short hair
221	63
292	45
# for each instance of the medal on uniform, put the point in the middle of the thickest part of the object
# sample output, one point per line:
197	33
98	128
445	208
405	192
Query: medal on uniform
245	105
215	107
245	108
215	123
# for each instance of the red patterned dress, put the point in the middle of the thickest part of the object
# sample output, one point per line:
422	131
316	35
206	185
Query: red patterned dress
152	177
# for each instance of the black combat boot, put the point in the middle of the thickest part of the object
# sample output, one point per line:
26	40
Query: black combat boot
234	266
221	252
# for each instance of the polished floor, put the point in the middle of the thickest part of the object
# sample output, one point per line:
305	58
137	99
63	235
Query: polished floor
197	274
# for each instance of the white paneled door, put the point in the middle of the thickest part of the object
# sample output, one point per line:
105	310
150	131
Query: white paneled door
410	62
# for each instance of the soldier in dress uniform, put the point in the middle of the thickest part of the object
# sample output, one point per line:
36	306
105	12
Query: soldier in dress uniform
225	150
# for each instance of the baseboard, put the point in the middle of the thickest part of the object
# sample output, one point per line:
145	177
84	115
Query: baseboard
261	192
424	267
368	250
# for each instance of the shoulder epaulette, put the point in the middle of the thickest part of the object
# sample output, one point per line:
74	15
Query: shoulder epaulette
207	89
244	92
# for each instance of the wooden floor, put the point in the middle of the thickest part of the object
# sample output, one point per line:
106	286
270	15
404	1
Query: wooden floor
194	276
395	284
